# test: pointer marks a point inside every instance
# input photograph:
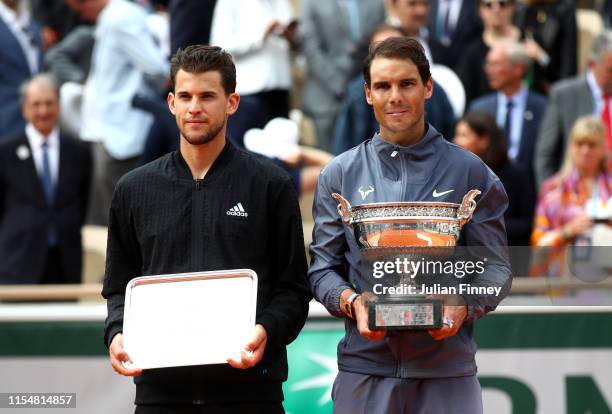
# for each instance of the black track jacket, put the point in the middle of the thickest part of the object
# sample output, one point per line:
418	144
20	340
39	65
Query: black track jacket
163	221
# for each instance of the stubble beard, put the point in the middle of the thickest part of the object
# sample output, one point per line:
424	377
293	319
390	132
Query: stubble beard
206	137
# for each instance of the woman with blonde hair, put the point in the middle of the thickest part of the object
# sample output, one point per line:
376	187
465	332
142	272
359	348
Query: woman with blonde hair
570	201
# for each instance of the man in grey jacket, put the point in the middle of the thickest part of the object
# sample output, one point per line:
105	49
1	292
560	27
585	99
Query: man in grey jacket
569	100
408	160
330	32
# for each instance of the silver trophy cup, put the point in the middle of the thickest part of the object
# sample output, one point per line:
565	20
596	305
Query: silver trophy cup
412	231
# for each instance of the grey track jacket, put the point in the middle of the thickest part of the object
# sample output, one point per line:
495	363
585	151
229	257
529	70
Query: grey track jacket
413	173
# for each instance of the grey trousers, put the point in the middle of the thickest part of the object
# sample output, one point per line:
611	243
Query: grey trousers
107	171
367	394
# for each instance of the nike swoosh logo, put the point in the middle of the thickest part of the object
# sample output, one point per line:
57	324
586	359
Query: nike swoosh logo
436	194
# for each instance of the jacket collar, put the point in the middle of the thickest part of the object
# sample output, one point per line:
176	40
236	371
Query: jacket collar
216	169
421	150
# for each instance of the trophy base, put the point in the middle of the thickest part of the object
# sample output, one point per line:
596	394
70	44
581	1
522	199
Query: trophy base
404	313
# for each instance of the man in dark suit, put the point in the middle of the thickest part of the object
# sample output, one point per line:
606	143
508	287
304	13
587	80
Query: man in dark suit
44	185
453	24
518	110
20	58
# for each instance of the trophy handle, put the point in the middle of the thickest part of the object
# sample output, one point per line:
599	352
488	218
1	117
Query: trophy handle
344	208
468	205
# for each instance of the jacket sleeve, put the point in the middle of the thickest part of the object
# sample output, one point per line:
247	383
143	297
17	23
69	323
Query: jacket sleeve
485	238
123	262
226	30
64	59
3	184
138	46
520	191
285	314
344	130
87	163
567	65
327	274
234	29
550	140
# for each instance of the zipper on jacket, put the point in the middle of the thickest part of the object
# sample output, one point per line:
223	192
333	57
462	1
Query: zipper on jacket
402	175
402	160
197	242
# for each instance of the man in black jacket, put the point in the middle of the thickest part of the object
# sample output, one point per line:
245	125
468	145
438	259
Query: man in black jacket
177	214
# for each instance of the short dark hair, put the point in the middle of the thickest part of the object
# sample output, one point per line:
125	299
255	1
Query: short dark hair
404	48
201	58
484	124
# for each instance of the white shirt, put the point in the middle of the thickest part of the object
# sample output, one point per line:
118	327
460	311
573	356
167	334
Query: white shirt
519	101
261	64
423	40
597	94
19	24
123	54
36	140
159	25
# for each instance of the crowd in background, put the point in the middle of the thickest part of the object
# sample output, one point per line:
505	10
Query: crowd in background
525	85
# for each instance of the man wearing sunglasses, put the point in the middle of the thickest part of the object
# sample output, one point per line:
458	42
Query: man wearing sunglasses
502	4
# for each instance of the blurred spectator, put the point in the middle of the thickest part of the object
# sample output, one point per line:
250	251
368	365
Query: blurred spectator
190	23
163	136
454	24
517	110
278	140
412	18
606	13
478	132
496	16
125	61
258	34
44	186
570	99
70	59
330	31
356	121
570	201
20	58
163	133
158	22
549	27
56	18
69	62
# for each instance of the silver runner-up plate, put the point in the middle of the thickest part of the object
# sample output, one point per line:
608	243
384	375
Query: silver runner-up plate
189	318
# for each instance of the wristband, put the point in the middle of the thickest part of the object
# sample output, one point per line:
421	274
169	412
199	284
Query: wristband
348	305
